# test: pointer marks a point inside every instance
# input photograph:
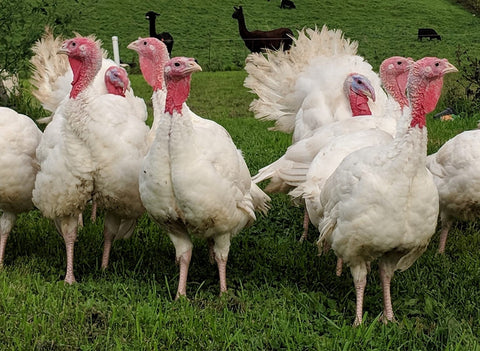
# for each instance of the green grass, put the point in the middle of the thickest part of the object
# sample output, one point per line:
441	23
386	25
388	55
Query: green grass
282	296
206	30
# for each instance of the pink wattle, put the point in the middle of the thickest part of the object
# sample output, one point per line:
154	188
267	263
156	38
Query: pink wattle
149	71
432	94
424	101
399	94
76	66
359	104
115	90
177	94
418	112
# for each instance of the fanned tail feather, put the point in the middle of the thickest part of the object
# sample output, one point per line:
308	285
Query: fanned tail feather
49	71
283	174
272	77
261	201
125	229
326	227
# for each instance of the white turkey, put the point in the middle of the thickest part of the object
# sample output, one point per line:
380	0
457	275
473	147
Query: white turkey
194	180
302	89
381	201
79	157
19	138
456	172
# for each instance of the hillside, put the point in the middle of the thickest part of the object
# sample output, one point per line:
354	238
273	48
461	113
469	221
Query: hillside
207	31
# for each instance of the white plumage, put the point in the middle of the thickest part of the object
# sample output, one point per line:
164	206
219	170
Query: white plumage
19	137
328	159
290	170
93	147
456	172
194	179
302	89
381	201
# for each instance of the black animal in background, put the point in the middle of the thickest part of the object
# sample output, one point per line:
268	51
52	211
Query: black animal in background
258	40
164	36
428	33
287	4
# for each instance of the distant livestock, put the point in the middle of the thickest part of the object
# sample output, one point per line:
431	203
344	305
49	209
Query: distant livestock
428	33
166	37
258	40
287	4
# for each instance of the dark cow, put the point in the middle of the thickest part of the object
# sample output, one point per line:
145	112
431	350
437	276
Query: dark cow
428	33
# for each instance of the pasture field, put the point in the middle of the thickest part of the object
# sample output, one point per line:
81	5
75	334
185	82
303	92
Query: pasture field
282	295
206	30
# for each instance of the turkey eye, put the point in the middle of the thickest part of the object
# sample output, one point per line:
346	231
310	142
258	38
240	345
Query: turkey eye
144	43
437	64
73	43
399	62
360	82
177	64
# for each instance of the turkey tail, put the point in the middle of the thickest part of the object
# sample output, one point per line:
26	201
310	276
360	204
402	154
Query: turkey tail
272	77
326	227
283	174
406	261
298	193
125	230
265	173
261	201
51	73
305	190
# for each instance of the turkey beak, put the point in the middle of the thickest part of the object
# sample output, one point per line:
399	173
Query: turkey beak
63	50
369	90
449	68
132	46
193	66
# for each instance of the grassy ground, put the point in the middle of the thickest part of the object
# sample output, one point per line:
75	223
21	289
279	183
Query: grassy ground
281	294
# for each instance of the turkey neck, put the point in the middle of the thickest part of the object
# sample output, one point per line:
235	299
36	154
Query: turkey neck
177	94
359	105
158	101
396	88
413	144
424	95
152	71
84	71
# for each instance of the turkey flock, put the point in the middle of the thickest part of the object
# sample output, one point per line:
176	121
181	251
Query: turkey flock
357	163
